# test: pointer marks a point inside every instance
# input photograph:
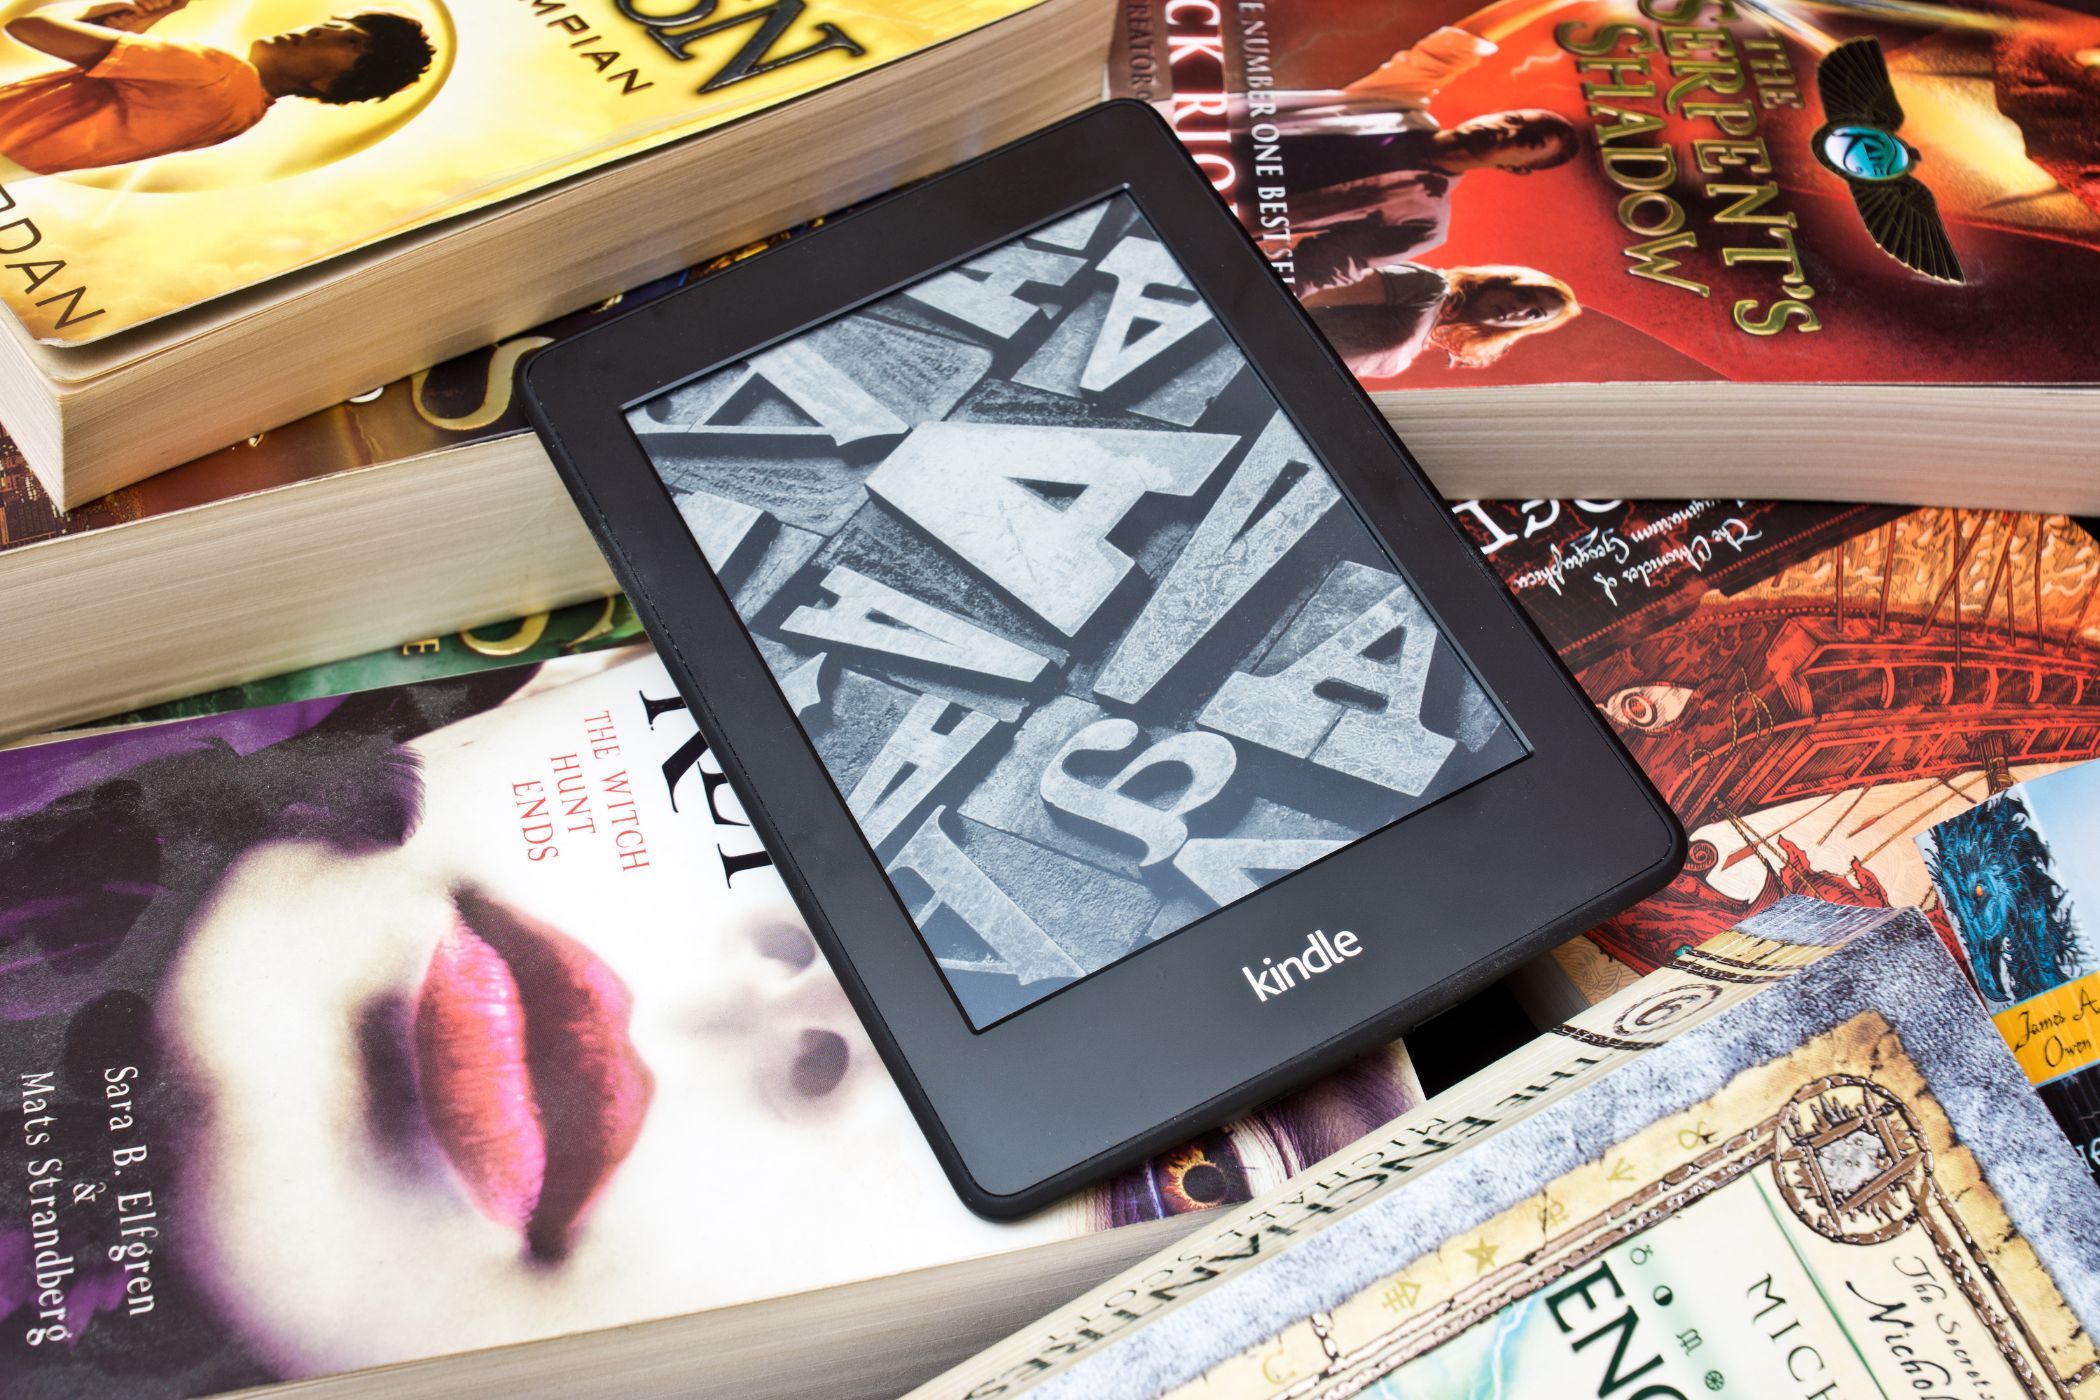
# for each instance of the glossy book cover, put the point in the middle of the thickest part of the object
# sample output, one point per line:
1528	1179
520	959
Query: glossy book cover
2017	878
365	1028
1611	191
157	154
1809	686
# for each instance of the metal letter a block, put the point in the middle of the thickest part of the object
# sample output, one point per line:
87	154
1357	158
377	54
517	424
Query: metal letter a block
1353	703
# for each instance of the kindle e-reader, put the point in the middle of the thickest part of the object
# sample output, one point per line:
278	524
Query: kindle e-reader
1134	727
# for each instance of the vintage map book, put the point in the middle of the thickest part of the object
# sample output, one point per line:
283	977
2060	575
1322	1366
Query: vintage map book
2017	876
219	218
1799	249
1809	686
387	1029
1796	1162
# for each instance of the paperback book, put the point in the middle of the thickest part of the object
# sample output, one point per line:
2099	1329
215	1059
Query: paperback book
163	154
424	505
464	402
381	1029
250	211
2016	875
1796	1162
1809	686
577	630
1745	245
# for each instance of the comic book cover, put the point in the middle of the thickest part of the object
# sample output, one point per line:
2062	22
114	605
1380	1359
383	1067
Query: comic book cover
1591	191
157	153
2015	876
1808	686
357	1029
1796	1163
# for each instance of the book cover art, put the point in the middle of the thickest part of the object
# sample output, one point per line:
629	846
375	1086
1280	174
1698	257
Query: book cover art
1808	686
1811	1228
156	154
364	1028
1593	191
1796	1162
2015	875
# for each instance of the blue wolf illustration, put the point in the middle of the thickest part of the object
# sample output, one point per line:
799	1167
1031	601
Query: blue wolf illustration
1994	872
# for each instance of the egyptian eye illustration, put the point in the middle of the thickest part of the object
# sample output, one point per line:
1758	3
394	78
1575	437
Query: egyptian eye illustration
1865	152
1858	143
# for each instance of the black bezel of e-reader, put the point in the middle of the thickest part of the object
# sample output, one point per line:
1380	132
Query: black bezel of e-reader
1144	1054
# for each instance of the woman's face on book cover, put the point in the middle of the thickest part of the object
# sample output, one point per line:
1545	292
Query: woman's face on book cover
522	1075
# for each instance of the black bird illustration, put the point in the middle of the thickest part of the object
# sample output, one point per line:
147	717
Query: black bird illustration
1858	143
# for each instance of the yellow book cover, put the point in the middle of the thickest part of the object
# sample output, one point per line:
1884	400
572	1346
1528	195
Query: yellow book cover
155	154
1805	1232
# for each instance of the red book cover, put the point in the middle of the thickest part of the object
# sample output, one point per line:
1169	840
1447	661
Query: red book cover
1810	687
1593	191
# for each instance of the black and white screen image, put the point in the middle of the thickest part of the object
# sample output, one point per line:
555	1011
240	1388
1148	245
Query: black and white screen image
1080	627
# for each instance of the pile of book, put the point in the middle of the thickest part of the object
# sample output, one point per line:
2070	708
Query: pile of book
1767	388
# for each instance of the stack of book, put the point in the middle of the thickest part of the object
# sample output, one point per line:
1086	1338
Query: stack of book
1831	251
186	293
1753	347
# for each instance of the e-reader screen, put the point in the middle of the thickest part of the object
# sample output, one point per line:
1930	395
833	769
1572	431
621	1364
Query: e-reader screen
1083	631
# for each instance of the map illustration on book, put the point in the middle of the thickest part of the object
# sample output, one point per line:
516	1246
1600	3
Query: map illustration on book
1797	1161
161	153
1613	191
1838	1202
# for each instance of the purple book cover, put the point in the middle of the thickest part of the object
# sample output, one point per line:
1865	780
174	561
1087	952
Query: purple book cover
358	1030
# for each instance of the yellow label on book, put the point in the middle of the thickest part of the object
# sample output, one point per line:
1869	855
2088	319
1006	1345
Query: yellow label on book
2057	1032
1810	1231
157	153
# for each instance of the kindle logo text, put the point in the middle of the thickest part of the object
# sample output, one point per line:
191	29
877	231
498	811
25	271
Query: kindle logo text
1320	954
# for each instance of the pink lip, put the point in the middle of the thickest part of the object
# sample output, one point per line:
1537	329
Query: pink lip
526	1074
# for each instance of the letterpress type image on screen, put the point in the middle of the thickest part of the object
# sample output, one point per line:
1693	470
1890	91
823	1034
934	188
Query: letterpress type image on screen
1083	631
